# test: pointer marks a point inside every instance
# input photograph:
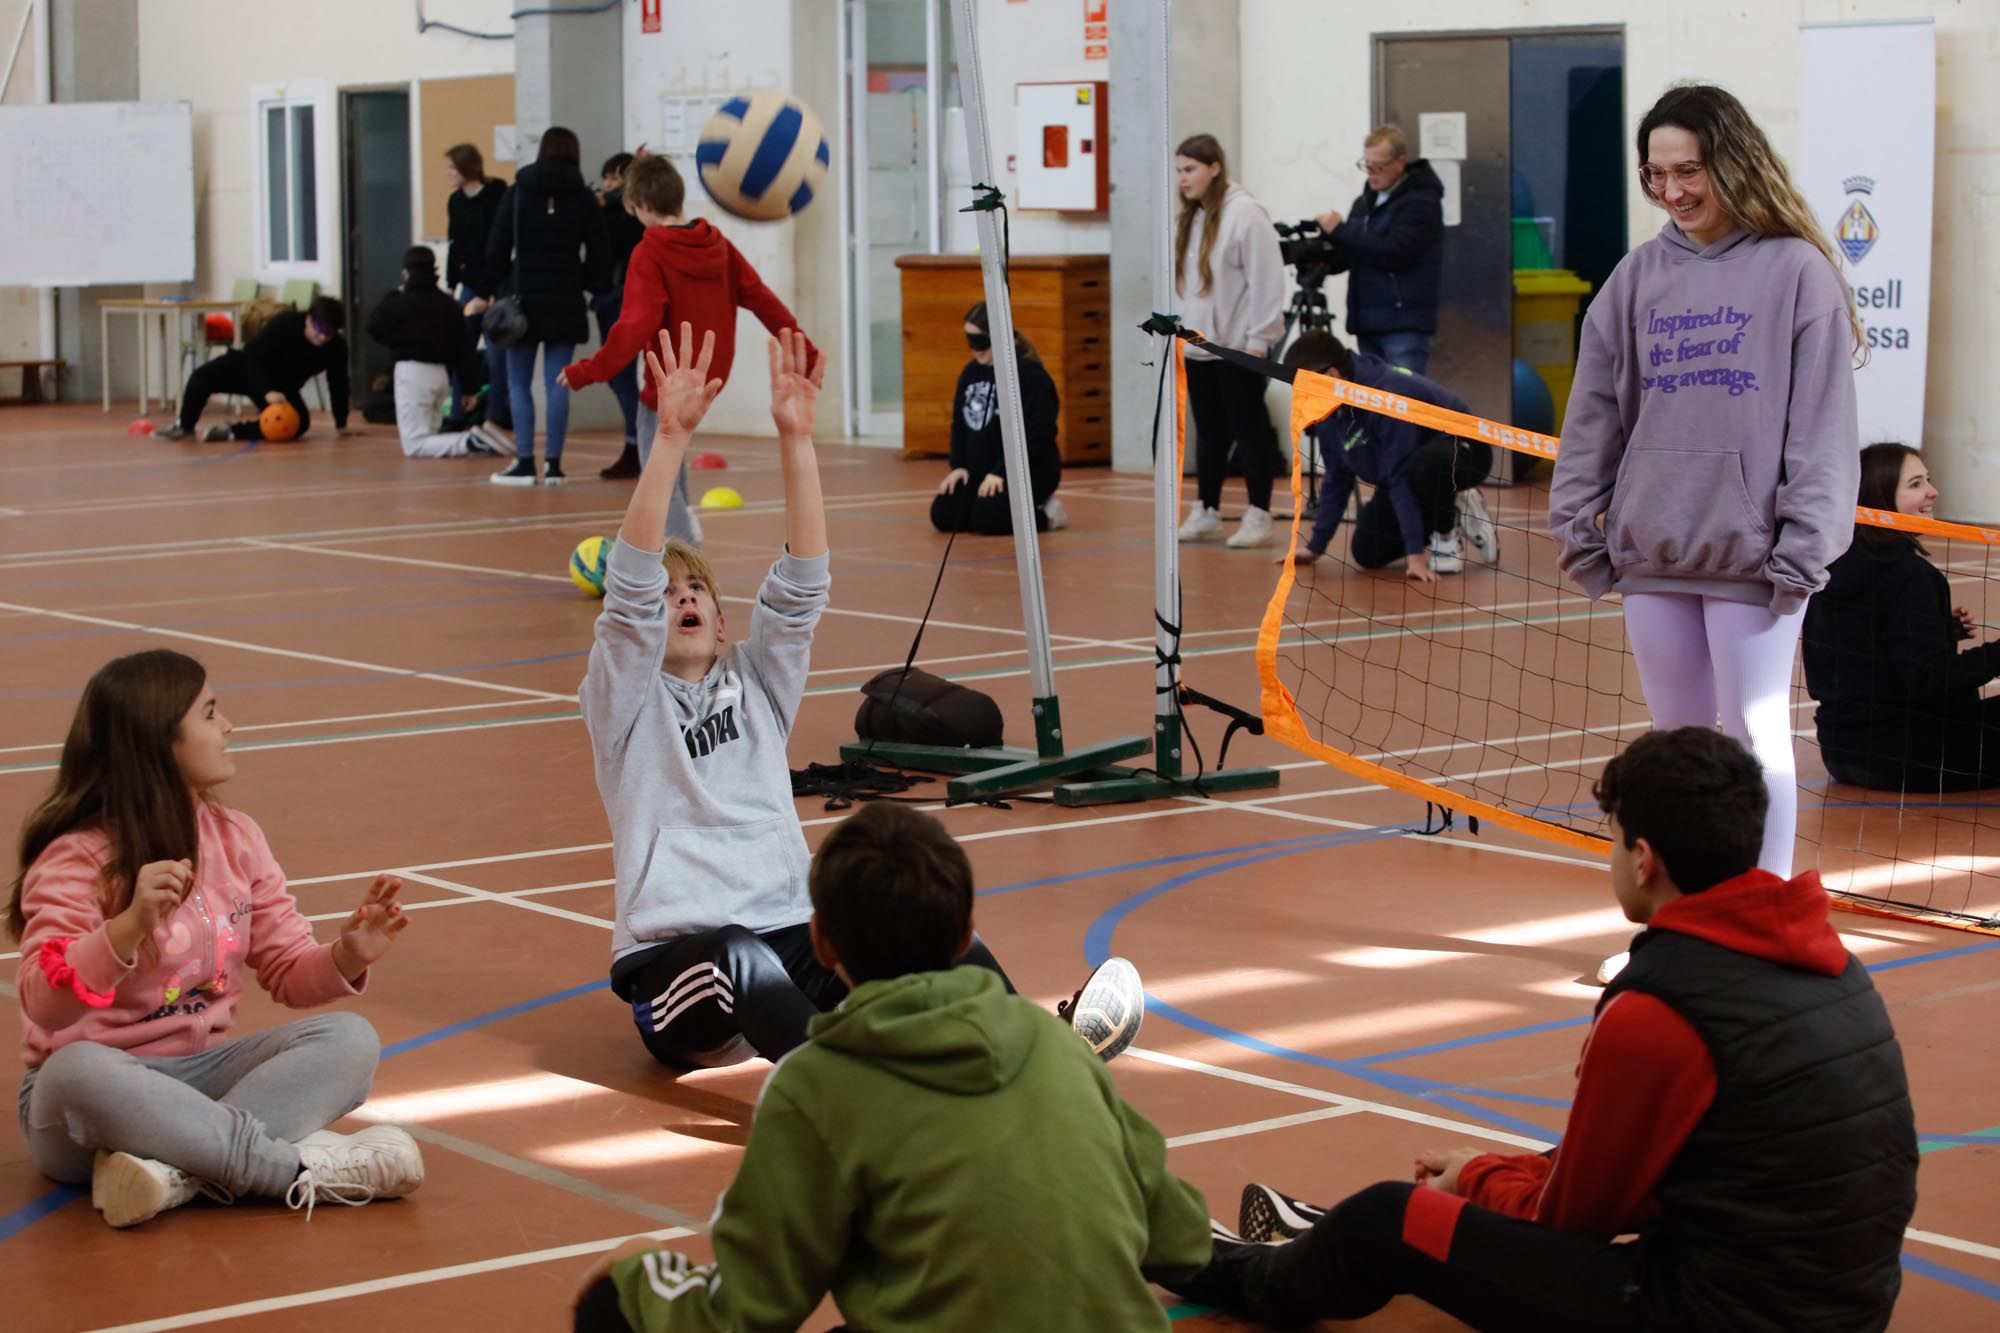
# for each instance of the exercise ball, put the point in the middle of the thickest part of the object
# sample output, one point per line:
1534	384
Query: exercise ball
279	422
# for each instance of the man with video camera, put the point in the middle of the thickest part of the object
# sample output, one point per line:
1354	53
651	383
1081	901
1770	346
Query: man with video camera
1391	243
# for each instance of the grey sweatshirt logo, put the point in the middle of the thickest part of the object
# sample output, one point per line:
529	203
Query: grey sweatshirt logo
716	729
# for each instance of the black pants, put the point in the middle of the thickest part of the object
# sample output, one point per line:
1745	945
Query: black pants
1228	406
966	510
1500	1272
1921	756
230	373
1442	467
722	996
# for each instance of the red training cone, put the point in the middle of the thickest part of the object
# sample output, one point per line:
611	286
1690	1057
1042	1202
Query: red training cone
143	426
706	461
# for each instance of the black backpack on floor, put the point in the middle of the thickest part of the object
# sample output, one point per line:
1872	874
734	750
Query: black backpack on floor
917	708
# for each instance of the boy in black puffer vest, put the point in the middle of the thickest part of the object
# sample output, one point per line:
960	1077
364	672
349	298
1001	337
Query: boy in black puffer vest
1741	1106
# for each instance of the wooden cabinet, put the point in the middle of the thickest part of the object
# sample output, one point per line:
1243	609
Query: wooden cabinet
1062	304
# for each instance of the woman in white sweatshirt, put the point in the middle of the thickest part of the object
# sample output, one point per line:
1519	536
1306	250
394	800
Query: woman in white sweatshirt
1230	279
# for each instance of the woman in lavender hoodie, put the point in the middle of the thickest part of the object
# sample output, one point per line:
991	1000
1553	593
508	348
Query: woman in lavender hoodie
1710	451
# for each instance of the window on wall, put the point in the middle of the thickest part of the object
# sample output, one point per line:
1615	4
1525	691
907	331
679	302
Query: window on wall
288	132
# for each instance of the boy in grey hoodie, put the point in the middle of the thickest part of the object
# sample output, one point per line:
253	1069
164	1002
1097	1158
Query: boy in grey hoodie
688	733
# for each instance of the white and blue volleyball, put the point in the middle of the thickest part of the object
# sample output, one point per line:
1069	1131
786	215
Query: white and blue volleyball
762	156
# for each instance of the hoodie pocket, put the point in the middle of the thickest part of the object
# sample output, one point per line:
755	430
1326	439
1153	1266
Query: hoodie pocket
707	876
1687	512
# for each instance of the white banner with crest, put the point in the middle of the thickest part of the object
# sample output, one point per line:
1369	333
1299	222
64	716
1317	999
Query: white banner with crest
1865	162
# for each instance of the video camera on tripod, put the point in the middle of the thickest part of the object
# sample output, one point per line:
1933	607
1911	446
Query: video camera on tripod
1304	247
1315	255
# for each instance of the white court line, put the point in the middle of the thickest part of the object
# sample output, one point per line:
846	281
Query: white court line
488	895
1260	1126
348	1291
1066	640
545	696
1334	1098
1953	1243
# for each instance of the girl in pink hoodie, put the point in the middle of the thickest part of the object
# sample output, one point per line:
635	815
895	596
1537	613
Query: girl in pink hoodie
138	903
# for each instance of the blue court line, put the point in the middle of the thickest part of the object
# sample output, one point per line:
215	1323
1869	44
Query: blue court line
1534	1029
1305	843
23	1217
1097	947
247	447
29	1214
1951	1277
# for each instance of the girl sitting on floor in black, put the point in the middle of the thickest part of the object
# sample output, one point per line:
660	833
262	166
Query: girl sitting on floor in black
973	495
1899	704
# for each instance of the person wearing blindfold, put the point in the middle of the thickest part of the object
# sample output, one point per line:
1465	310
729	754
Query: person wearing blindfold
973	495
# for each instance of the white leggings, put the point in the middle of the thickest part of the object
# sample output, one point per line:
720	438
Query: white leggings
1702	660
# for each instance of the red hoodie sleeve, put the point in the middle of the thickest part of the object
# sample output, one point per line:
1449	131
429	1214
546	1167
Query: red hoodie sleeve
640	319
1645	1082
761	301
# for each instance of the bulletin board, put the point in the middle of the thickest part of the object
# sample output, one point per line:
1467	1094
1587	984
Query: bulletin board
453	111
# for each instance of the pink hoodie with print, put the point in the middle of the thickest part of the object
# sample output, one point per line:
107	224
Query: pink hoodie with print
180	997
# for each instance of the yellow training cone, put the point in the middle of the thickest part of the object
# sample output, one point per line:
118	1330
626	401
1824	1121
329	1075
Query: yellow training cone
721	497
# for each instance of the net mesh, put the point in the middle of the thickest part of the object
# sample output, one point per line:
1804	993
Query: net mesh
1500	691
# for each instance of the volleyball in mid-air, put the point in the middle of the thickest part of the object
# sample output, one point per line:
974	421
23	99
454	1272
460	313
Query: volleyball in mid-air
762	156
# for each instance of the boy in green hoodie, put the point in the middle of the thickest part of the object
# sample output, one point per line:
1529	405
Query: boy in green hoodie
890	1162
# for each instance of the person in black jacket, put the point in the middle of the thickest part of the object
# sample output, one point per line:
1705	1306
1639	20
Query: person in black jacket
423	329
622	232
548	246
973	495
1391	244
272	368
1899	704
474	204
1742	1110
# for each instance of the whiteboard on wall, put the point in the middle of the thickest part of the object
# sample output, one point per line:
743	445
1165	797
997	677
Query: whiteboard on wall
96	192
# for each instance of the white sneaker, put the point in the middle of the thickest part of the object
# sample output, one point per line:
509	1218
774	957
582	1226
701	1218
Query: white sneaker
1202	523
1476	525
1254	530
1445	556
1608	970
129	1190
380	1162
1053	511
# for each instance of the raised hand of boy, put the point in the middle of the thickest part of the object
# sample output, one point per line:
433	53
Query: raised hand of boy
794	402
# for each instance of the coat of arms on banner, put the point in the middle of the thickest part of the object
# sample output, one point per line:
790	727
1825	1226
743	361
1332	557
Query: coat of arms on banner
1856	231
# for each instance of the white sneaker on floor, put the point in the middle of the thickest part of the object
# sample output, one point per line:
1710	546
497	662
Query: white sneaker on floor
1476	526
520	473
1445	555
1202	523
380	1162
217	435
1053	511
479	442
1254	530
129	1190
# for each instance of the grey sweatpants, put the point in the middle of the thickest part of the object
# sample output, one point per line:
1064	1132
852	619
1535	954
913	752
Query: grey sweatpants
680	517
229	1115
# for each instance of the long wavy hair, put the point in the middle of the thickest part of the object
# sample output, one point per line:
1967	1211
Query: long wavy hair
1206	149
118	776
1748	177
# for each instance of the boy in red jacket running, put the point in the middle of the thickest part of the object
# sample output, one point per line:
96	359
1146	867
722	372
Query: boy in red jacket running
680	273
